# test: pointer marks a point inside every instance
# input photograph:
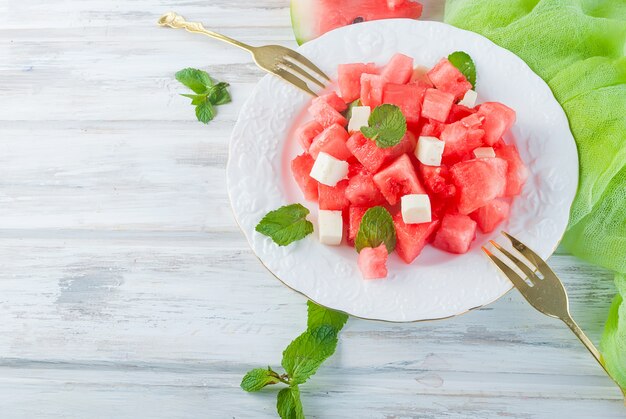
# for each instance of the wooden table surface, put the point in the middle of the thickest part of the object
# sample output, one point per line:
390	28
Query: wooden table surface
127	290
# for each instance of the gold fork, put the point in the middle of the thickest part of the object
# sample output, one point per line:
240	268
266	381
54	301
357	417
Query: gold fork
283	62
546	294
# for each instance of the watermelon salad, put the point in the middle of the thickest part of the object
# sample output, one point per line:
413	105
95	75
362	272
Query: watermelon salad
449	175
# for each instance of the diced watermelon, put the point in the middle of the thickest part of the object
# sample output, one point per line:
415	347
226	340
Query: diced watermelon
517	173
478	182
356	168
372	90
373	262
432	129
459	112
408	97
373	157
412	238
460	139
437	179
498	120
355	216
349	79
420	75
326	115
455	234
363	192
333	198
448	78
307	132
331	141
437	105
492	214
333	100
398	70
398	179
300	168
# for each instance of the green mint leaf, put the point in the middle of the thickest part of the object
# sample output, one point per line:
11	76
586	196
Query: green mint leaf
205	112
258	378
305	354
218	94
376	227
387	126
197	80
286	224
195	99
465	64
288	403
320	316
348	112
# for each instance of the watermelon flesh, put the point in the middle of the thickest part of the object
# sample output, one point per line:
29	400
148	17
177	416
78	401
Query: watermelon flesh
437	105
399	69
491	215
408	97
333	100
300	168
398	179
516	173
326	115
355	215
331	141
448	78
363	192
349	79
373	157
456	234
461	139
372	90
498	120
412	238
478	181
373	262
333	198
312	18
307	132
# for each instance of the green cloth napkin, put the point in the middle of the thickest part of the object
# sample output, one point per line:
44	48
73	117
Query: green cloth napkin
578	47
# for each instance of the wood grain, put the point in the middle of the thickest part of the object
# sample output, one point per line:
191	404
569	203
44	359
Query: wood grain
127	289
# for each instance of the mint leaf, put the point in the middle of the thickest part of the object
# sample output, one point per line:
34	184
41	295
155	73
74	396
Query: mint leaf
218	95
288	403
205	112
305	354
258	378
376	227
286	224
387	126
197	80
465	64
320	316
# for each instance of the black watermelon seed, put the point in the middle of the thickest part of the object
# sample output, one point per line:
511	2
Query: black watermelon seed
358	20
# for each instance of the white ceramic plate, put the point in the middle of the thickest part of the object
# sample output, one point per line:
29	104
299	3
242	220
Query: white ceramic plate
437	284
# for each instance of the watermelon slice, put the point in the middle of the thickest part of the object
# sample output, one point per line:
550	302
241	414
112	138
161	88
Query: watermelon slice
372	90
333	100
312	18
455	234
478	182
399	69
448	78
326	115
498	120
355	215
300	168
333	197
408	97
398	179
492	214
363	192
412	238
349	79
372	157
437	105
373	262
307	132
331	141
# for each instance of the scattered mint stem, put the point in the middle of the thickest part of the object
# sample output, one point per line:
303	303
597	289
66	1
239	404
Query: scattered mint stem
208	94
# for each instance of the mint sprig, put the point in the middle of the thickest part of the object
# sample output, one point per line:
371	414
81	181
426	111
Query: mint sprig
301	359
286	224
376	228
386	126
207	95
462	61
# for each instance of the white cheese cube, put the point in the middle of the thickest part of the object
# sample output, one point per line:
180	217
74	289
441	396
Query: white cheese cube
359	118
328	170
429	151
416	209
469	99
330	227
484	152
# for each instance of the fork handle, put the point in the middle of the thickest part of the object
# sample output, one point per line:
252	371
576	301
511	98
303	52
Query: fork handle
176	21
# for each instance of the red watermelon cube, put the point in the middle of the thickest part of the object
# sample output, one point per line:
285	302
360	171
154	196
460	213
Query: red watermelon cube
331	141
412	238
492	214
498	120
300	168
349	79
373	157
459	112
460	140
437	105
363	192
478	182
420	75
448	78
373	262
399	69
372	90
455	234
398	179
326	115
517	173
436	179
432	128
333	100
408	97
307	132
355	215
333	198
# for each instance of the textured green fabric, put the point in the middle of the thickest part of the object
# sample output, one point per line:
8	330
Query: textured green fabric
577	47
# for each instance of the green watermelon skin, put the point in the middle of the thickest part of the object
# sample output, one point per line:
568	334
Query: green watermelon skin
312	18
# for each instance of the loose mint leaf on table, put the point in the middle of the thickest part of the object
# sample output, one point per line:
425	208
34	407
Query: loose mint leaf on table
376	228
465	64
288	403
218	95
205	112
208	93
258	378
197	80
387	126
305	354
286	224
320	316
